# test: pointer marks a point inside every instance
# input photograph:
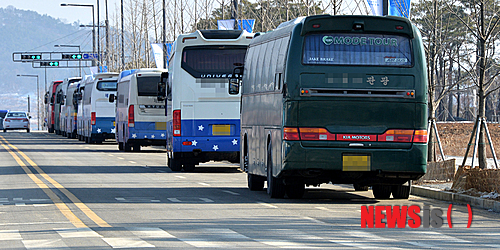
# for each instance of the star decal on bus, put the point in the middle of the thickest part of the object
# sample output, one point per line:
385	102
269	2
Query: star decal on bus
99	130
215	147
113	130
200	128
134	136
235	142
162	135
194	143
152	136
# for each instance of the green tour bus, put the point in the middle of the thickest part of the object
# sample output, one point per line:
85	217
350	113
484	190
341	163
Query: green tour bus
340	99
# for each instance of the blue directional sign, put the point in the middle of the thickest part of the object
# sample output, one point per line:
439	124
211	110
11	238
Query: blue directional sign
90	56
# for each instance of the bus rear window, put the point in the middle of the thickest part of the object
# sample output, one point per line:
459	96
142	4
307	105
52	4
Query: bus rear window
147	85
212	61
106	86
357	49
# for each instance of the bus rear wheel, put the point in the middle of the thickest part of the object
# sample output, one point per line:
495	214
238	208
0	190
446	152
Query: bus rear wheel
381	191
401	191
295	190
255	182
127	146
174	164
358	187
189	167
275	186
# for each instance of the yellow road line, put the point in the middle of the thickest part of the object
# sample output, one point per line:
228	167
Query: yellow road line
93	216
59	204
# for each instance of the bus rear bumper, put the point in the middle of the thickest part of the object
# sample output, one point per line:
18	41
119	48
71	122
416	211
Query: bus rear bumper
323	165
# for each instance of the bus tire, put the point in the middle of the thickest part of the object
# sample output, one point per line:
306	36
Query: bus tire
189	167
127	146
27	130
401	191
255	182
51	130
120	146
382	192
136	148
295	190
275	186
174	164
358	187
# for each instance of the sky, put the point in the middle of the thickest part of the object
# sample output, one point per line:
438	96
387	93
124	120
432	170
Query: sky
54	9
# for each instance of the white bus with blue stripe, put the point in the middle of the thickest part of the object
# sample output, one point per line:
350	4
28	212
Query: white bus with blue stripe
98	113
203	120
140	117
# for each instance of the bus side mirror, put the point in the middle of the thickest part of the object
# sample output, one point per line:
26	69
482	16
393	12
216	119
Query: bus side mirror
112	98
161	92
162	87
234	86
235	80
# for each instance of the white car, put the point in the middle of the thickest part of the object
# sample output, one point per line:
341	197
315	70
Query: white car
16	120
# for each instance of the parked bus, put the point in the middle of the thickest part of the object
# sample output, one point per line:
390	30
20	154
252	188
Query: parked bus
71	108
79	112
98	113
50	99
140	117
202	118
339	99
58	106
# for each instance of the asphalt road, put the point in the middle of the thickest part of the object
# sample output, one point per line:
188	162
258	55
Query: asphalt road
57	193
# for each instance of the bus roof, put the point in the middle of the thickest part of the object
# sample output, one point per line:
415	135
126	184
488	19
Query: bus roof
357	23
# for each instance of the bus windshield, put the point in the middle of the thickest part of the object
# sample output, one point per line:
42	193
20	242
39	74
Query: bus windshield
212	61
357	49
147	85
106	86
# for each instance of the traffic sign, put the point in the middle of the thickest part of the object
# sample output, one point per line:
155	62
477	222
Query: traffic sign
90	56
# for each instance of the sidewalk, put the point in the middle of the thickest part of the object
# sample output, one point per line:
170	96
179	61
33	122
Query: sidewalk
439	193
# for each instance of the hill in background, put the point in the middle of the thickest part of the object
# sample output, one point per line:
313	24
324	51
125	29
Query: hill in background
28	31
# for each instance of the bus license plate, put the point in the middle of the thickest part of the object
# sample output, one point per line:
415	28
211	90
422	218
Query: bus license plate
221	129
356	162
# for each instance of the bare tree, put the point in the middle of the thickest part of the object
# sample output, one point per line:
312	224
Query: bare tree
483	25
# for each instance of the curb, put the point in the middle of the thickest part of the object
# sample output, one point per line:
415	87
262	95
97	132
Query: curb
438	194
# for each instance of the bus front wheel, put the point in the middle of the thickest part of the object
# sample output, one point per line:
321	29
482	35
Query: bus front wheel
381	191
255	183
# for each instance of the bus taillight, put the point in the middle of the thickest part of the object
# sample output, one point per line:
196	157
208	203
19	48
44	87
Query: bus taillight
92	118
291	134
420	136
397	135
315	134
176	122
131	119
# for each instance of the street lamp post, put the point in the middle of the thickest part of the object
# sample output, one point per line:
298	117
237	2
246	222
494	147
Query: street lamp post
79	52
37	97
93	20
